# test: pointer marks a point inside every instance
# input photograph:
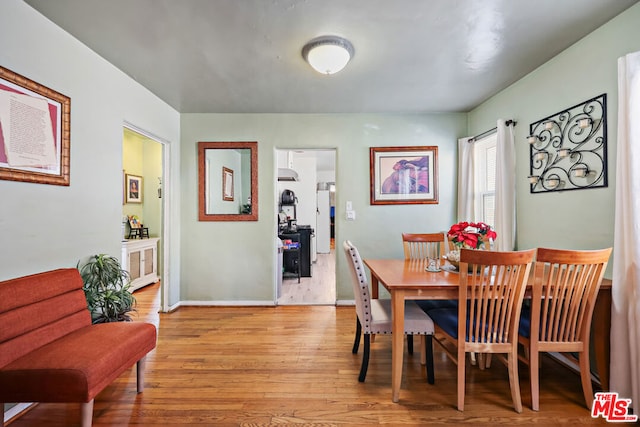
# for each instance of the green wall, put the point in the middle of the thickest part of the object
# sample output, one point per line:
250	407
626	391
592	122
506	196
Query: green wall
235	261
580	219
43	227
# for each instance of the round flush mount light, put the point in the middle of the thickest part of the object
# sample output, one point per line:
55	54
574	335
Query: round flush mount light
328	54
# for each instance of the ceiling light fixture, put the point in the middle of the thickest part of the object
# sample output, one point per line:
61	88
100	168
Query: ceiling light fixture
328	54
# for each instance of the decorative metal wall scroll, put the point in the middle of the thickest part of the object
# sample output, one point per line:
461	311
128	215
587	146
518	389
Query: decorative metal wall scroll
568	150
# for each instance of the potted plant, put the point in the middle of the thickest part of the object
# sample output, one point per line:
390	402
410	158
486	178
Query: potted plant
106	287
468	235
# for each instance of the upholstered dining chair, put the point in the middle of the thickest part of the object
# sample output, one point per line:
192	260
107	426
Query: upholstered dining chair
565	288
373	316
488	323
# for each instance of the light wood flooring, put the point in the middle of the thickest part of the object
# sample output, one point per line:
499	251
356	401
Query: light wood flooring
318	289
292	365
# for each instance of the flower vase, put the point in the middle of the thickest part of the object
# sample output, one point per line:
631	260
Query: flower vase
453	257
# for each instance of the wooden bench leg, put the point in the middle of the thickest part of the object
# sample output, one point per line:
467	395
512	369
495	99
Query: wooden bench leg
140	373
86	412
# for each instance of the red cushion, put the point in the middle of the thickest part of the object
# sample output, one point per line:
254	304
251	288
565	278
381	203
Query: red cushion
76	367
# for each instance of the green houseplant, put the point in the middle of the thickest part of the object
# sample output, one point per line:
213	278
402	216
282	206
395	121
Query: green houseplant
106	287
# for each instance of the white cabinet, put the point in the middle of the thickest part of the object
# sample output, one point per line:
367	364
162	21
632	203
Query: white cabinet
140	259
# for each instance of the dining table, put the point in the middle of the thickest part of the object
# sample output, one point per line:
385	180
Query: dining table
410	280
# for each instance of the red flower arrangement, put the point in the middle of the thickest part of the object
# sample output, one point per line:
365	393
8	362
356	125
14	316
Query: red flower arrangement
471	235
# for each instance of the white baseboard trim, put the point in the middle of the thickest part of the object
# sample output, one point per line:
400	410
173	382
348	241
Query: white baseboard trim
192	303
16	410
345	302
227	303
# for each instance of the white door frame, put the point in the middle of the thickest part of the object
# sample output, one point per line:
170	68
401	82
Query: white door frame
166	210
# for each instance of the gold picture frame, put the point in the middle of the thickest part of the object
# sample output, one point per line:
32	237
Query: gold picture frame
133	188
42	155
403	175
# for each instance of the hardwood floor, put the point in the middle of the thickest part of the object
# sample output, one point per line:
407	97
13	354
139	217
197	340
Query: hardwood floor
319	289
292	365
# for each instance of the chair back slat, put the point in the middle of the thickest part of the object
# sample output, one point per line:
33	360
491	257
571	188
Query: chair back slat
493	283
424	245
565	290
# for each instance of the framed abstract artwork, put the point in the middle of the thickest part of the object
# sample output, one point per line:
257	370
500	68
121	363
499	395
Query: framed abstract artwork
403	175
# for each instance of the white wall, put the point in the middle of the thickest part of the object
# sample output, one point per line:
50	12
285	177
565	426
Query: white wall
581	219
43	227
235	261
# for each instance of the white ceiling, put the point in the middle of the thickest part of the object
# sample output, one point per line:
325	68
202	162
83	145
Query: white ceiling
244	56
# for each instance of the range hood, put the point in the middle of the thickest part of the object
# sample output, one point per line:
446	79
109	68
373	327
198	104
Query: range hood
286	174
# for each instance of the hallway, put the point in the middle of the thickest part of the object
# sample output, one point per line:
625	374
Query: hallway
319	289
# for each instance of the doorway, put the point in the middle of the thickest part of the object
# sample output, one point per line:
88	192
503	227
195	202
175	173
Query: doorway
144	158
307	179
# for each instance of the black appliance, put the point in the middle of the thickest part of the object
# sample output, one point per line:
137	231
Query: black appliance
288	198
291	257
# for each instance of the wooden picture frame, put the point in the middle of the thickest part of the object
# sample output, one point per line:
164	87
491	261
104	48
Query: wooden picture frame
133	188
227	184
41	155
403	175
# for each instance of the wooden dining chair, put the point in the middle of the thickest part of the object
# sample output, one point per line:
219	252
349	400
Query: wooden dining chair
423	245
566	284
419	246
373	316
494	289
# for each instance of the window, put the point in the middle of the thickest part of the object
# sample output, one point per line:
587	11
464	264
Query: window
484	156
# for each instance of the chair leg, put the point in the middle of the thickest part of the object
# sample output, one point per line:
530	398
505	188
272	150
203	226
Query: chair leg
86	411
461	376
365	358
534	379
585	377
428	351
410	344
423	354
472	357
356	341
514	382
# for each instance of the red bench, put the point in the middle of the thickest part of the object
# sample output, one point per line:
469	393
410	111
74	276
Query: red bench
50	351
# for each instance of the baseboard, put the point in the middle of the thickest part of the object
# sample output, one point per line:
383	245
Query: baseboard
16	410
227	303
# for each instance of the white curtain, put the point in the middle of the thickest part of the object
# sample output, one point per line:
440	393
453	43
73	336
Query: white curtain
625	308
505	201
466	181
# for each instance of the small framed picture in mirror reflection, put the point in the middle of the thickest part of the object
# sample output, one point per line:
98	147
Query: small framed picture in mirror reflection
227	184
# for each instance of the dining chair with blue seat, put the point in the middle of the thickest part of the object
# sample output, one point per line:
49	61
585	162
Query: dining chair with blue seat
493	290
373	316
565	288
422	246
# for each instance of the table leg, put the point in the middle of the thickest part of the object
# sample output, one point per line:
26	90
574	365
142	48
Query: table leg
374	287
397	340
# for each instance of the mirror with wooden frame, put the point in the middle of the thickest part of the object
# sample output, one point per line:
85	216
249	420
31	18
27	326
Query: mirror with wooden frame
228	181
